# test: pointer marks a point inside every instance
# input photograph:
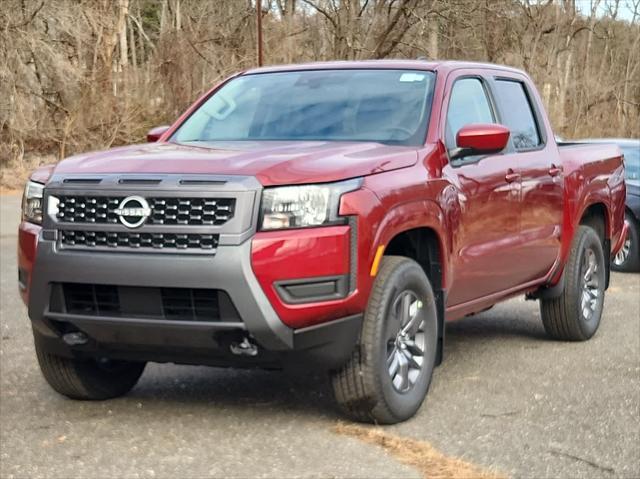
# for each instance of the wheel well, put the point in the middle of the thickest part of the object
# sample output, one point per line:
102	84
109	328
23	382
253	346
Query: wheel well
629	211
422	245
595	216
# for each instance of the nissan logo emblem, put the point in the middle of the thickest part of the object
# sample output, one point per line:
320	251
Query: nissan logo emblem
133	211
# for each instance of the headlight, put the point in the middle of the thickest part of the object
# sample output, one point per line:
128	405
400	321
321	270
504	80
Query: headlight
304	206
32	202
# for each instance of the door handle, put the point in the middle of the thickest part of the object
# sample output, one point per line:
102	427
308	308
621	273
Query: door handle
555	170
511	176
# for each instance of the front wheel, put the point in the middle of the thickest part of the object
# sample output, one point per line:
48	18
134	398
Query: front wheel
388	375
575	314
88	379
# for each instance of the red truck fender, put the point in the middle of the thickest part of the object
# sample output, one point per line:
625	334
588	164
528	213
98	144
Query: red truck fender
582	199
409	216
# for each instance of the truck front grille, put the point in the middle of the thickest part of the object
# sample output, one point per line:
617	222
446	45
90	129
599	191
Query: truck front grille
164	211
176	304
139	241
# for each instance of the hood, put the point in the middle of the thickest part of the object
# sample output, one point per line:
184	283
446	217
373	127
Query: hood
271	162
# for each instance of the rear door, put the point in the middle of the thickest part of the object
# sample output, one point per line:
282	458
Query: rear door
541	176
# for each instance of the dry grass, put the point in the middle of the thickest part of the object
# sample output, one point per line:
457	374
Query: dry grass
15	173
418	454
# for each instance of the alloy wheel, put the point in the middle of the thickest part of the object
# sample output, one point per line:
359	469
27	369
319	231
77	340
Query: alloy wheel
623	254
590	279
405	341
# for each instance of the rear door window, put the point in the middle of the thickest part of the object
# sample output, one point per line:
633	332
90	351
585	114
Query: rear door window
468	104
518	114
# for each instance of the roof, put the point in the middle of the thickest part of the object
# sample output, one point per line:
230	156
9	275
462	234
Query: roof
400	64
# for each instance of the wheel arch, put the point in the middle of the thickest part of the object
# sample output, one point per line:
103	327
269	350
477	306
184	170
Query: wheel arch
596	215
634	216
408	222
424	243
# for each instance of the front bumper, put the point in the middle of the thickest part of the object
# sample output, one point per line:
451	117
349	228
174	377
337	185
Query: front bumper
228	270
329	343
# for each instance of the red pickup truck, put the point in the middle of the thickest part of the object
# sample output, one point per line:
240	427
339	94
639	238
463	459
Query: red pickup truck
328	215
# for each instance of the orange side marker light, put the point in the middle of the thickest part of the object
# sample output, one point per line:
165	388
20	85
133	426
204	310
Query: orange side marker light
376	260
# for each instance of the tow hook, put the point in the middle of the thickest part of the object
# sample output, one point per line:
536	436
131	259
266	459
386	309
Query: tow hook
76	338
245	348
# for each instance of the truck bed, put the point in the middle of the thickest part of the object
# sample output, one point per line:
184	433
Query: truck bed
584	153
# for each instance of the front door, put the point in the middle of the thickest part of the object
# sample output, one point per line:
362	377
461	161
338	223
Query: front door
486	235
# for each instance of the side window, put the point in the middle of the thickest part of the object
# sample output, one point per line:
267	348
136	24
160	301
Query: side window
518	115
468	104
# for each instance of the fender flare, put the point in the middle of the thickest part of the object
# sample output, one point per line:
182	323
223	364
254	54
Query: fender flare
589	198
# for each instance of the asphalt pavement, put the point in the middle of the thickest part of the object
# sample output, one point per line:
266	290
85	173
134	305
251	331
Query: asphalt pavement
506	399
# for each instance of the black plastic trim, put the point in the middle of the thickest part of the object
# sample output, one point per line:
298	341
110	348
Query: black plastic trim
548	292
606	247
329	344
324	346
150	322
353	254
23	278
318	288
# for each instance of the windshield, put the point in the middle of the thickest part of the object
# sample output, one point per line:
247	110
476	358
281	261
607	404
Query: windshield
631	162
387	106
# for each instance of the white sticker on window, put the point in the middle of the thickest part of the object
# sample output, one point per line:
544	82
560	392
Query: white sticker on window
411	77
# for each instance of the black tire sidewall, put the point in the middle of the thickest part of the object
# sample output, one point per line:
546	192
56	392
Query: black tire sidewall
85	378
407	276
633	259
589	239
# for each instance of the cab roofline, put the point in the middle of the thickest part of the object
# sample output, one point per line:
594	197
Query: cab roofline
441	65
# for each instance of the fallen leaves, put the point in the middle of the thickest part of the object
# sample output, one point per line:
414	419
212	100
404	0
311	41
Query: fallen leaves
418	454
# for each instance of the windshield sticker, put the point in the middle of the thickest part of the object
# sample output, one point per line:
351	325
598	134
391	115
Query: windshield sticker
412	77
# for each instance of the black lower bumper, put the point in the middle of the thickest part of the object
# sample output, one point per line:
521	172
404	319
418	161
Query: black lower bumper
328	345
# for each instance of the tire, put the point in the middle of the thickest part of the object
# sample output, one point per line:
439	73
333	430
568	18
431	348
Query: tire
364	388
628	259
88	379
575	314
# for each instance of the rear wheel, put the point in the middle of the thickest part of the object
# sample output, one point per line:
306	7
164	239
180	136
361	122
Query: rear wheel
628	258
88	379
575	314
388	375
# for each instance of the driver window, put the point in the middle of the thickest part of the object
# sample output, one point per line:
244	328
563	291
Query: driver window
468	104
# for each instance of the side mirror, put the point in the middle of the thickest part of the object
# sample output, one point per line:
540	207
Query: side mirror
155	133
480	139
